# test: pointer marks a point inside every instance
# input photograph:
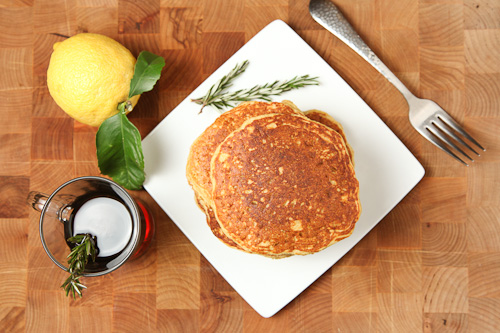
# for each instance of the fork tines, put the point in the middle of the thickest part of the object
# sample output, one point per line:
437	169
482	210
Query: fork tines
448	135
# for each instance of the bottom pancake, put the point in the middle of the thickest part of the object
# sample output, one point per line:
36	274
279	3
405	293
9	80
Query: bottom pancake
327	120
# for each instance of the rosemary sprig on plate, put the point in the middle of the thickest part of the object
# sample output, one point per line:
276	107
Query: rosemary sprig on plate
77	260
218	97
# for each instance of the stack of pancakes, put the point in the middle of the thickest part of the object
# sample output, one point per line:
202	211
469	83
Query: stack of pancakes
275	181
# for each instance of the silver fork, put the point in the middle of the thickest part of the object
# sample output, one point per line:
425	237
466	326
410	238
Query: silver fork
426	116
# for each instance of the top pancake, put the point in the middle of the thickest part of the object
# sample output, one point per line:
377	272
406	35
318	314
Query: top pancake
316	115
283	184
200	155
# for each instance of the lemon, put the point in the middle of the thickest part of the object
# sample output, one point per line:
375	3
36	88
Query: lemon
89	75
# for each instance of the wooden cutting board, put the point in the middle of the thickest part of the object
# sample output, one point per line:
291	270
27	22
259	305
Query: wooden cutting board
432	265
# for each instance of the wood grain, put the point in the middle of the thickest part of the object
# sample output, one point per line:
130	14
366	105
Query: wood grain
431	265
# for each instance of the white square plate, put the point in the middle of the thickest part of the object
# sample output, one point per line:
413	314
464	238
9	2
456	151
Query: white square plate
386	170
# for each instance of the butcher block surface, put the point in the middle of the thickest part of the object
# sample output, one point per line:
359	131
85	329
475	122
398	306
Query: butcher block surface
431	265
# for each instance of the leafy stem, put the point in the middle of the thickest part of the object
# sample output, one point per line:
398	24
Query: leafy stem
85	248
218	97
118	141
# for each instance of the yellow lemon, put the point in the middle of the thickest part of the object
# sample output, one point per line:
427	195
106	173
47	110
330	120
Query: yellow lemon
89	75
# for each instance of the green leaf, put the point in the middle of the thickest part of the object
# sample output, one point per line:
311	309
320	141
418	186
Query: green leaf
119	151
147	71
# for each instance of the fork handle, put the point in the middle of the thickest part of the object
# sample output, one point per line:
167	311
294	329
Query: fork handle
330	17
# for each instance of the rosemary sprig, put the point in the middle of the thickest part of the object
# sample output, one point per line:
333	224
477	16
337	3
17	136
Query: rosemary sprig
219	98
77	260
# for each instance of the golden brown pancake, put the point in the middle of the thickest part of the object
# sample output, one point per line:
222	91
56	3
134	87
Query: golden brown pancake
283	184
316	115
231	120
